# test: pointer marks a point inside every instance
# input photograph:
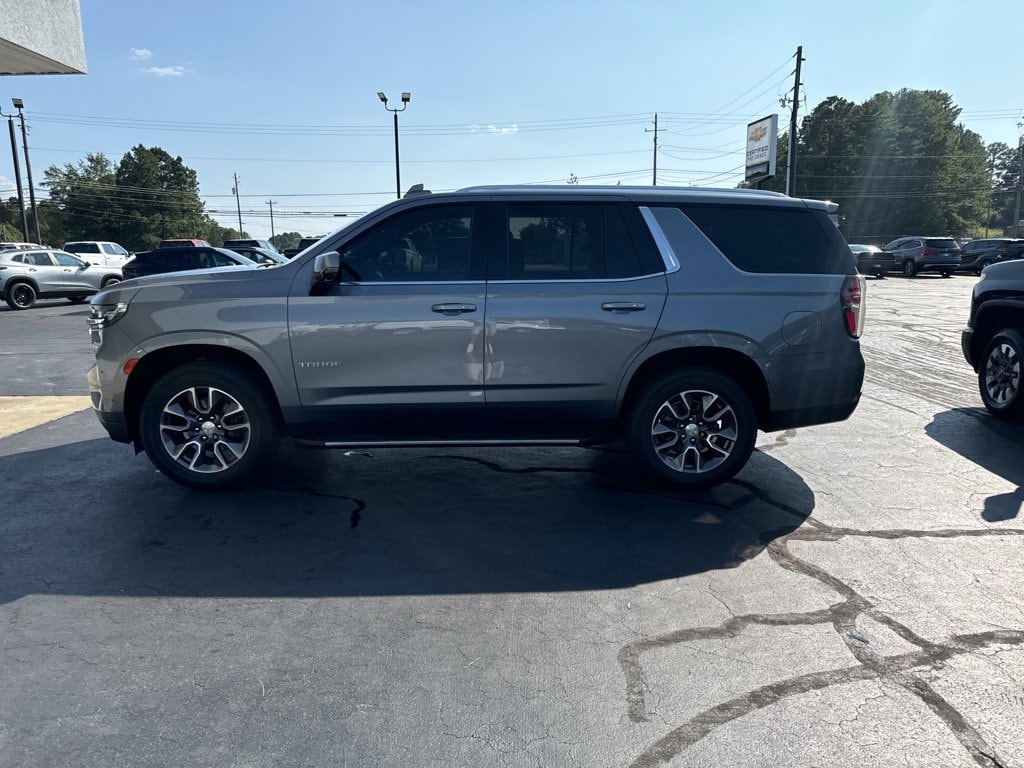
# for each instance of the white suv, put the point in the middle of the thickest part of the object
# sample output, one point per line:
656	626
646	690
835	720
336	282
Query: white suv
99	252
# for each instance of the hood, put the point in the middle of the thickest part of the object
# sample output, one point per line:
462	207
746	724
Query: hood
181	282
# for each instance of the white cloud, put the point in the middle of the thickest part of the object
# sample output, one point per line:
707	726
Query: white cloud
172	71
139	54
503	129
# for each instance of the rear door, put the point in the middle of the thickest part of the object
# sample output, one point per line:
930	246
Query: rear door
395	352
42	267
569	306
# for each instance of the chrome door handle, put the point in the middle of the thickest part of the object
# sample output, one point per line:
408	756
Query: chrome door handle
453	309
623	306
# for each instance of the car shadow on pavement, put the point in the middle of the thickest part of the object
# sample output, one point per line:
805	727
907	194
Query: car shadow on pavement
990	443
88	518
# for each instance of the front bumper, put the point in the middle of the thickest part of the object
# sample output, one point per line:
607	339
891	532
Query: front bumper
967	346
112	421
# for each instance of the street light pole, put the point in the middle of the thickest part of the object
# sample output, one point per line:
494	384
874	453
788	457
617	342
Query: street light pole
17	176
18	104
406	96
271	204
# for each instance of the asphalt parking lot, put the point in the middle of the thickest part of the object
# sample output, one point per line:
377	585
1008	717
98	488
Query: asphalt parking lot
852	598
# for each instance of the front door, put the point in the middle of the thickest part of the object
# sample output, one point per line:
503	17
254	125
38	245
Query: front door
393	352
76	273
571	306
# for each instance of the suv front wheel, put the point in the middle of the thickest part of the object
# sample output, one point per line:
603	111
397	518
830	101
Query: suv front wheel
695	428
999	375
207	426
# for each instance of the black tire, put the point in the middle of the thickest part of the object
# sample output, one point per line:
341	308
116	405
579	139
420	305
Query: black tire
21	295
947	274
659	403
909	268
984	263
1001	374
111	281
880	275
209	435
77	299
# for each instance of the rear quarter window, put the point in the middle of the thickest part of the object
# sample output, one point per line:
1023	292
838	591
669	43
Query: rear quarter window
774	240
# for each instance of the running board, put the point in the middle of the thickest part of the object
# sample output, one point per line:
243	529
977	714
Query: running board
439	443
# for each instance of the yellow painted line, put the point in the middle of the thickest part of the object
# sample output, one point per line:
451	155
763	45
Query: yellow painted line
20	413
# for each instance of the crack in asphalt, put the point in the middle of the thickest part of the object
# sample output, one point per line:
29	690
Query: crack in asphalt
843	616
895	669
355	514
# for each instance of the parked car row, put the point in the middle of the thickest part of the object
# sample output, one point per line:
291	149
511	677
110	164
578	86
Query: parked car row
913	255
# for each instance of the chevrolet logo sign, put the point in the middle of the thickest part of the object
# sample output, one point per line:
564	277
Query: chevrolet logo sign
758	133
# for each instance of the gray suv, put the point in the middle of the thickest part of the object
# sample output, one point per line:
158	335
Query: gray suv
914	255
496	316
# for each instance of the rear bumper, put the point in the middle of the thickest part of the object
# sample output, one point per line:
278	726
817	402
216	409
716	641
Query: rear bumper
815	389
876	263
938	265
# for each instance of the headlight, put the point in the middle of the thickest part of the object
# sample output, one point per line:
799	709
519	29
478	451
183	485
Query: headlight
105	315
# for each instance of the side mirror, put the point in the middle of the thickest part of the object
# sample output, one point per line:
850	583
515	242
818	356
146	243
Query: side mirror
327	267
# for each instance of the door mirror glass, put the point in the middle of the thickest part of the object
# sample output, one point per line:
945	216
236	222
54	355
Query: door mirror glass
327	267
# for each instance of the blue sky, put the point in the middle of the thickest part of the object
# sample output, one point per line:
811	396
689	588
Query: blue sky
285	94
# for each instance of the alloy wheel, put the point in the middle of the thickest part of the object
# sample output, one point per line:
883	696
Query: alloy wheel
1002	374
694	431
22	295
205	429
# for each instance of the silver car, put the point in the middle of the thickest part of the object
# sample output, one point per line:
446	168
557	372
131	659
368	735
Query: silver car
493	317
28	275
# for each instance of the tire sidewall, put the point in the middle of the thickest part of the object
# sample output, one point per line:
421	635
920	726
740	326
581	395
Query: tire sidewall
20	285
254	400
1014	409
909	268
644	409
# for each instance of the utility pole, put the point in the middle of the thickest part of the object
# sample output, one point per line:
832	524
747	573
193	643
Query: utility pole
271	204
1020	186
238	205
791	153
17	177
18	104
654	181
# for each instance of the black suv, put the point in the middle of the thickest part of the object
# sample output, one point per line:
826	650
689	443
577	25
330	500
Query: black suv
993	341
916	254
180	259
304	243
979	254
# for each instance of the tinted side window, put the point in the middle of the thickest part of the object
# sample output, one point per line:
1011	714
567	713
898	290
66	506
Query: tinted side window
565	241
777	240
109	248
424	244
39	259
67	260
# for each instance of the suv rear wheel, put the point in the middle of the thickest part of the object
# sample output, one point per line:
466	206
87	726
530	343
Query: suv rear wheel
21	296
999	375
695	428
206	426
909	268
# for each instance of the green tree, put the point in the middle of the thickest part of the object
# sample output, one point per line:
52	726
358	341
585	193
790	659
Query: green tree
286	240
896	163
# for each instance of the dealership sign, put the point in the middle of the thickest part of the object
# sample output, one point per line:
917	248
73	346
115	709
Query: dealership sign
762	141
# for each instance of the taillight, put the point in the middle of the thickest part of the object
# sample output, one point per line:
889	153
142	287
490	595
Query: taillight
852	299
928	252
